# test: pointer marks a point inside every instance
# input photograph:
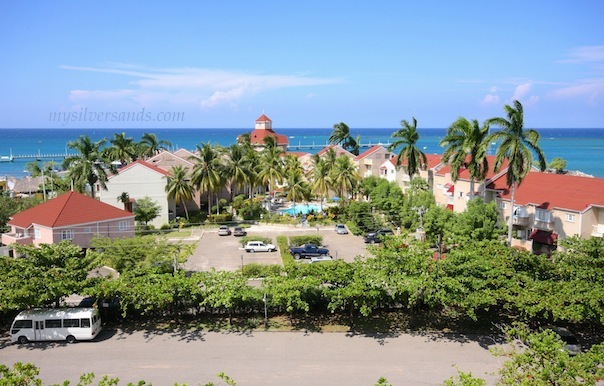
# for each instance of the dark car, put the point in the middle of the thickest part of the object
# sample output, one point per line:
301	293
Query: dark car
239	231
377	236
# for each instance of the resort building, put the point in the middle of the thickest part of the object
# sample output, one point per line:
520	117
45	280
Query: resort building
399	174
548	207
71	216
369	162
264	128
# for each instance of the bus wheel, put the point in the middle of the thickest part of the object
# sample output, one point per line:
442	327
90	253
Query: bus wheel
70	339
22	340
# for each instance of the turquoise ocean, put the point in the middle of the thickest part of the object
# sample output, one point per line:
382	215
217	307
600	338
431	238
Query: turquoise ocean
583	149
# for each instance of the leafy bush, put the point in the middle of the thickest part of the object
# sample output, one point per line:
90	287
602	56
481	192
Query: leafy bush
220	218
245	239
286	257
255	270
296	241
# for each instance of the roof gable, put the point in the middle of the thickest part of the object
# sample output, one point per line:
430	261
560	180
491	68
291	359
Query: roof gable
548	191
133	165
368	152
70	208
263	118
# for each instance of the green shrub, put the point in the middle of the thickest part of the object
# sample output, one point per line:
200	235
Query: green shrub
255	270
220	218
286	257
296	241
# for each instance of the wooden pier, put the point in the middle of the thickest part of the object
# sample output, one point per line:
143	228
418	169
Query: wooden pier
323	145
37	157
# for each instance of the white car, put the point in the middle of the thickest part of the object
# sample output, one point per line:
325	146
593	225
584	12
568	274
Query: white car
224	230
341	229
259	246
320	259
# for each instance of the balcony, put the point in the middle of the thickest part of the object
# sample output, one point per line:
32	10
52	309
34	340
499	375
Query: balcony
521	220
18	238
598	230
544	225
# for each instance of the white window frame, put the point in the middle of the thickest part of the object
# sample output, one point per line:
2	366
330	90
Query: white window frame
543	215
37	233
123	225
503	204
570	217
67	234
88	230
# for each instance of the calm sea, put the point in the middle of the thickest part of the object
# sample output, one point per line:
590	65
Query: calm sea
583	149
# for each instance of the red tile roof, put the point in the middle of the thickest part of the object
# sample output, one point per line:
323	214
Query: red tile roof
548	191
433	160
337	148
145	164
70	208
257	137
464	174
368	152
263	118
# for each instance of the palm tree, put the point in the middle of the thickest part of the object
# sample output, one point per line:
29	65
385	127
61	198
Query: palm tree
341	136
235	168
124	198
344	176
87	166
270	168
321	178
206	176
122	149
517	146
179	186
407	138
150	145
466	146
297	188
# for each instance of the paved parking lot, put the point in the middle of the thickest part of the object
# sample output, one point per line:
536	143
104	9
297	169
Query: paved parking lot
226	253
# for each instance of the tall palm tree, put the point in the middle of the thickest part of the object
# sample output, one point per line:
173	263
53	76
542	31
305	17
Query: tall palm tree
321	178
297	188
235	167
86	167
517	146
122	149
270	171
341	136
344	176
406	139
466	146
179	186
206	175
150	145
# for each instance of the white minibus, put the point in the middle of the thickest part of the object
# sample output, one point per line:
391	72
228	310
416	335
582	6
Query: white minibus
70	324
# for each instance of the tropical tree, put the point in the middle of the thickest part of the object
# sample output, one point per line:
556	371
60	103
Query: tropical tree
297	188
146	210
150	145
516	146
87	166
558	164
179	186
321	178
344	176
206	175
33	168
466	146
341	136
122	149
235	168
270	169
124	198
406	139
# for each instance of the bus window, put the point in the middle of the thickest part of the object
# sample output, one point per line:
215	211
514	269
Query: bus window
71	322
85	322
21	324
53	323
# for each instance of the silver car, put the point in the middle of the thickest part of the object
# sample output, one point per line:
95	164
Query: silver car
341	229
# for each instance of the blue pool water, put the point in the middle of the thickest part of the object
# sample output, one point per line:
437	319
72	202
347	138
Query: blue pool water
301	209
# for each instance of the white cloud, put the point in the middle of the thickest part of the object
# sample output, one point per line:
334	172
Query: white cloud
521	90
586	54
589	89
209	87
490	99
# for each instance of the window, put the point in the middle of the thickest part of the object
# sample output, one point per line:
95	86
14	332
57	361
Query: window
503	204
439	186
71	322
88	230
23	324
543	215
53	323
37	234
85	322
570	217
123	225
67	234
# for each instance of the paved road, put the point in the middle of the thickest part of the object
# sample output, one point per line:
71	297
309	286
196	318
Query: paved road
225	253
262	358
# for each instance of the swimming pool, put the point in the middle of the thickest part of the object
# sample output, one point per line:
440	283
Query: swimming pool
301	209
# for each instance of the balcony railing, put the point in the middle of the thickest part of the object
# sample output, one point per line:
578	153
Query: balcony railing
545	225
598	230
520	220
19	238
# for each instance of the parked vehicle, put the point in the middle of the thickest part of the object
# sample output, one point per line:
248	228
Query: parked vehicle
306	251
341	229
69	324
571	343
224	231
320	259
239	231
259	246
377	236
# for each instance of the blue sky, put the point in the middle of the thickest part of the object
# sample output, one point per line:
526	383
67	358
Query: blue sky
304	64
